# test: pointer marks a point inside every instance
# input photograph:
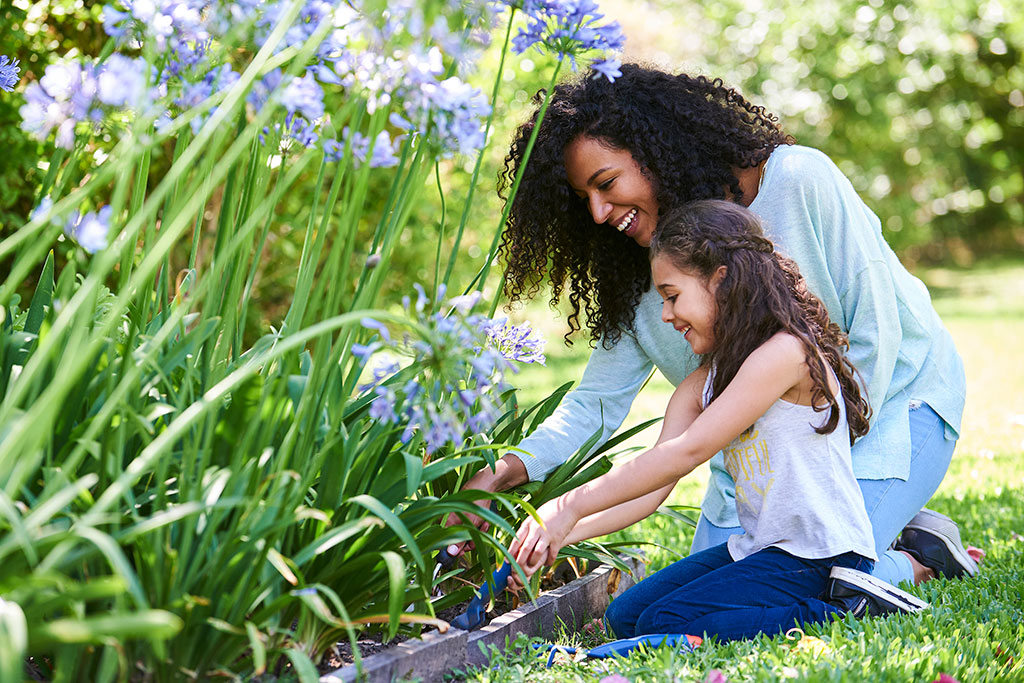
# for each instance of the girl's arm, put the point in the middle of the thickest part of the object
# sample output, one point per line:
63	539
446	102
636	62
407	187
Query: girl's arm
683	408
768	373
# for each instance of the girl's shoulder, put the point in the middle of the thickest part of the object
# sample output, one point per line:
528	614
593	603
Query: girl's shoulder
782	348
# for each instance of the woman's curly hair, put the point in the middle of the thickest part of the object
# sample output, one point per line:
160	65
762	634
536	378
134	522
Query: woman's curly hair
687	133
761	293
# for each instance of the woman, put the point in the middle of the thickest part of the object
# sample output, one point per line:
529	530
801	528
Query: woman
609	159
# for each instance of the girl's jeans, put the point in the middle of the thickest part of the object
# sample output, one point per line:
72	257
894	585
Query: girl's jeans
890	503
768	592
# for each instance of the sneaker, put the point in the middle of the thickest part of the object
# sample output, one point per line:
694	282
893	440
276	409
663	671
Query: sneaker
862	595
933	539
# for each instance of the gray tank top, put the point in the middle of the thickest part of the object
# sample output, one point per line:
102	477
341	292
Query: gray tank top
795	488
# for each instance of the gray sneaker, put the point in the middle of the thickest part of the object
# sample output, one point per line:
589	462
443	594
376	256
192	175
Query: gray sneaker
863	595
933	539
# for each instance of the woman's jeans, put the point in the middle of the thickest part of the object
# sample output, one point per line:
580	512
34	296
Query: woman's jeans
768	592
890	503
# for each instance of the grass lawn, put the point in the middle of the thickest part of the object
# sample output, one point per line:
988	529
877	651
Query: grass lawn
975	628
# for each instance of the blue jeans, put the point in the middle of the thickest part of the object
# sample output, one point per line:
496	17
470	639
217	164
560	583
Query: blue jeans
708	593
890	503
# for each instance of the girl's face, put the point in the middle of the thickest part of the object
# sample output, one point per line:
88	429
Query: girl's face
615	189
689	302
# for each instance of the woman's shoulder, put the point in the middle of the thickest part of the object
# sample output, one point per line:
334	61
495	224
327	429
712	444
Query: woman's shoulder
800	163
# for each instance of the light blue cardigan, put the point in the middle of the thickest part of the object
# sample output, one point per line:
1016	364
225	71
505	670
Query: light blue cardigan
813	215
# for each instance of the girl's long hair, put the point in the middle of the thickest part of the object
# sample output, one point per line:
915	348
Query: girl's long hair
761	293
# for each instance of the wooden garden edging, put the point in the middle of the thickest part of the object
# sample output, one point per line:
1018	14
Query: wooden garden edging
435	654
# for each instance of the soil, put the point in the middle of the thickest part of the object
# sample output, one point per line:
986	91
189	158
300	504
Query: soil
370	643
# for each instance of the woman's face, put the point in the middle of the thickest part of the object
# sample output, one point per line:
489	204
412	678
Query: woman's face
689	302
616	190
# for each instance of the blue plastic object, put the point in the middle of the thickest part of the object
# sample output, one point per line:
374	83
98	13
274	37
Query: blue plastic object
446	560
476	612
621	648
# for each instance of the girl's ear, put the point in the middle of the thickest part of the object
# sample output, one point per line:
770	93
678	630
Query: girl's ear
717	277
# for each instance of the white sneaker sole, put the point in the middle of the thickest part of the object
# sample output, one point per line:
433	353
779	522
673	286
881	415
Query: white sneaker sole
944	528
870	584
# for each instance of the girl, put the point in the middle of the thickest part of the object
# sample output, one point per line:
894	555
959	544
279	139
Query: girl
775	394
609	159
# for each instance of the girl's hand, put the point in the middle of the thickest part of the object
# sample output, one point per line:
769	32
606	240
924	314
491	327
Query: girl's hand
538	544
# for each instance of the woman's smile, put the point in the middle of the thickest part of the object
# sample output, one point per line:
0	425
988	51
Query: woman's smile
617	191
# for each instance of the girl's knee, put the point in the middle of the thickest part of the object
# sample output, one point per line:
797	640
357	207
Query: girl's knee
619	619
656	619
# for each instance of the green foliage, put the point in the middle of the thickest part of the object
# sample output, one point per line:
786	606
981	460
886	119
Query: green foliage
920	103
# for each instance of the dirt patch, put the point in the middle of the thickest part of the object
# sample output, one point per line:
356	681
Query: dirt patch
370	643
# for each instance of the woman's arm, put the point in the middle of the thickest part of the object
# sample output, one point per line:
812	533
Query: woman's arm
768	373
602	399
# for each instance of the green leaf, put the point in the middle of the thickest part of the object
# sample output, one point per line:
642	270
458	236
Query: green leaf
396	590
256	646
335	536
413	473
157	624
303	665
13	641
41	299
395	524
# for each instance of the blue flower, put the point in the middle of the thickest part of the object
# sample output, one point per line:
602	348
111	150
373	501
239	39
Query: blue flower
381	328
122	81
8	73
90	230
383	407
64	97
363	352
382	155
568	28
300	129
43	209
609	68
304	95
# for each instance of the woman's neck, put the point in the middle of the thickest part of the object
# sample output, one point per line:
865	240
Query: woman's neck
750	182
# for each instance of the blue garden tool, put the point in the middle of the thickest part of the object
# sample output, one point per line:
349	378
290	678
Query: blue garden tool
622	648
476	612
445	562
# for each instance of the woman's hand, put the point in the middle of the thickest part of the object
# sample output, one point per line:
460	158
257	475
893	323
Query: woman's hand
536	543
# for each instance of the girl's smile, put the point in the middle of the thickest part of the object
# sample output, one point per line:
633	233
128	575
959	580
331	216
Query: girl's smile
689	302
616	190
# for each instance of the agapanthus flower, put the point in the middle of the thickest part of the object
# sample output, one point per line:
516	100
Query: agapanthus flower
460	370
304	96
89	230
121	82
568	28
64	97
609	68
8	73
193	94
45	204
382	155
163	24
451	111
516	342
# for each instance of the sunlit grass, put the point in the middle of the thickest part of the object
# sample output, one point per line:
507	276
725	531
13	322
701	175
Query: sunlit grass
974	630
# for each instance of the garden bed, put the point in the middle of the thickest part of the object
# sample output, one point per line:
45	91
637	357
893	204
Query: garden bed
436	653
